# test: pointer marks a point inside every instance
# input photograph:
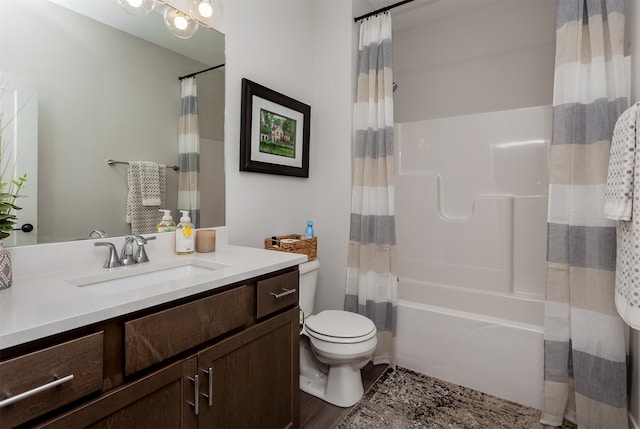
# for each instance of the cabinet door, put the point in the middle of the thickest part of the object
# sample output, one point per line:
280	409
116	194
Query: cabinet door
158	400
251	380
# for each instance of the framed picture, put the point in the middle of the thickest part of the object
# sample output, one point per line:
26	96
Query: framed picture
274	137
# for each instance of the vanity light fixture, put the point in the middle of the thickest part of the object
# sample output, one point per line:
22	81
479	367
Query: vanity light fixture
181	23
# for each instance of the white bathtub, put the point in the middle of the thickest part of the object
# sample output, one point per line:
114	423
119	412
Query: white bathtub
471	201
499	352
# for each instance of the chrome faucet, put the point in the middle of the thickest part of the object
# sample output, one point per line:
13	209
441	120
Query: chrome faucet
127	256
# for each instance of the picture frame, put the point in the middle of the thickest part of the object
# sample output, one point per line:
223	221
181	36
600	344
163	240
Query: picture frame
274	133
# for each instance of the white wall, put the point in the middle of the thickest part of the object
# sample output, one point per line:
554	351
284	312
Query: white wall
301	48
332	130
268	42
495	57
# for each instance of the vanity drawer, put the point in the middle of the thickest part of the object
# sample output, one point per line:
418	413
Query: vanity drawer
159	336
276	293
44	380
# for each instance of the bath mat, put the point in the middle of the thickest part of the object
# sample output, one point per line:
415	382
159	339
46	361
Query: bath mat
406	399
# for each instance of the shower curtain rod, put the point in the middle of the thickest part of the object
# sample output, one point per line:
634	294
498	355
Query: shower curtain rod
383	9
201	71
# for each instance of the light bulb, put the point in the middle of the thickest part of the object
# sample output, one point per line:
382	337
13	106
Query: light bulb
180	24
207	12
137	7
205	9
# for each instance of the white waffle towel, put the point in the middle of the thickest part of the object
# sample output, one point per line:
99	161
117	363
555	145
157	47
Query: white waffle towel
622	203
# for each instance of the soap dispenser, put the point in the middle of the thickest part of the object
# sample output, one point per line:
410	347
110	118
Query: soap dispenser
167	224
185	235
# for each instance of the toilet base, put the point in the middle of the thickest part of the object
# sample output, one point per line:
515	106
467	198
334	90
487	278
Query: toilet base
339	385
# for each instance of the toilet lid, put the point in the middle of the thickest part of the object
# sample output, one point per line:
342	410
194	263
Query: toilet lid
340	326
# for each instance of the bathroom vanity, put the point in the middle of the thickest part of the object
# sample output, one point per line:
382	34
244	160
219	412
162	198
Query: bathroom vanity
220	350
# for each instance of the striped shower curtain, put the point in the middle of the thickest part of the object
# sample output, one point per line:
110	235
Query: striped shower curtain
585	377
189	152
371	265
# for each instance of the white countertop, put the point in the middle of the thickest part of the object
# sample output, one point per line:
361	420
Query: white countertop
46	303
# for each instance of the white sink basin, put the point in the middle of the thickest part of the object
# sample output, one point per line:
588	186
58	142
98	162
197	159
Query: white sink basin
178	274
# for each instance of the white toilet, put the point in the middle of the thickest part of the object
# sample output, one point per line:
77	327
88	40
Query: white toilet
334	346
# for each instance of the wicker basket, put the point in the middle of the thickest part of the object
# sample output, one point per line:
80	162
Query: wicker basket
308	246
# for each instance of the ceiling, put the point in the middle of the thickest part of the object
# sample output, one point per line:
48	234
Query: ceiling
421	11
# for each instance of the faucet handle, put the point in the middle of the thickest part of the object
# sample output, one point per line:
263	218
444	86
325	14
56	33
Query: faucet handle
112	259
141	254
141	241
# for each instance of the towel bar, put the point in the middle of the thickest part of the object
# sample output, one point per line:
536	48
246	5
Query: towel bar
111	162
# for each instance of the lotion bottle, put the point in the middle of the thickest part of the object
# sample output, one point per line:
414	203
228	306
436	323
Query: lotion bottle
185	235
167	224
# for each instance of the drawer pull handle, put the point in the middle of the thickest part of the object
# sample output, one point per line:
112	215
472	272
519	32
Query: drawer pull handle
284	293
209	394
196	388
58	381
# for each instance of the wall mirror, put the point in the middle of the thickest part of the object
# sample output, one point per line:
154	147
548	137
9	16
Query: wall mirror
108	88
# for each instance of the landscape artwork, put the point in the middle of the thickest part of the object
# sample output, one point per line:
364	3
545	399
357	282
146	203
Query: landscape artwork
277	134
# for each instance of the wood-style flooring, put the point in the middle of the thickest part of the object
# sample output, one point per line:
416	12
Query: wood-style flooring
318	414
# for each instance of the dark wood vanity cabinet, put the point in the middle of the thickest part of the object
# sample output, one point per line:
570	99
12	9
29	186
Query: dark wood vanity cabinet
226	360
252	382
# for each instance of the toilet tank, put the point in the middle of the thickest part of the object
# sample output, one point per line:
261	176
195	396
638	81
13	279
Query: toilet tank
308	281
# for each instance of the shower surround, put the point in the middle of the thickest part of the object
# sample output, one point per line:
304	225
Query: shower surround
471	211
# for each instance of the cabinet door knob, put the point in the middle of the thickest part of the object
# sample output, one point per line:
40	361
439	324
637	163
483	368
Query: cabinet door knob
10	400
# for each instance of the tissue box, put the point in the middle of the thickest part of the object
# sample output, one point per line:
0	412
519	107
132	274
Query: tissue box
286	243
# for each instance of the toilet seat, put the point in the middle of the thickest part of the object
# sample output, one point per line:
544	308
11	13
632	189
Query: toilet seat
336	326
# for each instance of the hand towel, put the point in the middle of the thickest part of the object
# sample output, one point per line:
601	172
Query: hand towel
622	203
144	218
149	173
